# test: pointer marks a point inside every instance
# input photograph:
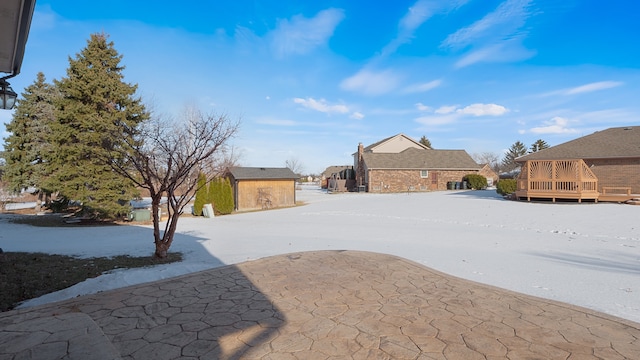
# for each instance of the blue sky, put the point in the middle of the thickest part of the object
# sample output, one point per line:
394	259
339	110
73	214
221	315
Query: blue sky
310	80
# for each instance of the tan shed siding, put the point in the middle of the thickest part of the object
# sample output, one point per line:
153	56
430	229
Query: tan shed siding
280	192
617	172
405	180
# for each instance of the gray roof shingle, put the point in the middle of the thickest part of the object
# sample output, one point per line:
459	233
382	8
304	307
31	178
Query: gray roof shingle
247	173
335	169
620	142
424	159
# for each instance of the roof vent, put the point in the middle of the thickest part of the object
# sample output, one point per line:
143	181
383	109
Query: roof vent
627	128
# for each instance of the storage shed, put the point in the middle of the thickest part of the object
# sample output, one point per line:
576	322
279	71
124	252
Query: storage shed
256	188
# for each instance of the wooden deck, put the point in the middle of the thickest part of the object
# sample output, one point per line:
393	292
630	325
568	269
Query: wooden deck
617	194
557	179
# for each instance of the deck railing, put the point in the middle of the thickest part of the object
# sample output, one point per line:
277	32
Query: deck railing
571	179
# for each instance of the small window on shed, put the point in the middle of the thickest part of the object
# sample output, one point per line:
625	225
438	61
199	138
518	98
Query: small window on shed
424	173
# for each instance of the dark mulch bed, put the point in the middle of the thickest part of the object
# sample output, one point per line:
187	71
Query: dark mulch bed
26	276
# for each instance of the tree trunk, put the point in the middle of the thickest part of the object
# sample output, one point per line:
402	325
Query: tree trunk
162	250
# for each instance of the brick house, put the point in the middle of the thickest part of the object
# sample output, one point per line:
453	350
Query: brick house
612	155
400	164
257	188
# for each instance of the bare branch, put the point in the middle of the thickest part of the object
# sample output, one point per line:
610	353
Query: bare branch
166	158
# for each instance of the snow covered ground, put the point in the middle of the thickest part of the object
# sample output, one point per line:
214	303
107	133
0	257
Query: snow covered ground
583	254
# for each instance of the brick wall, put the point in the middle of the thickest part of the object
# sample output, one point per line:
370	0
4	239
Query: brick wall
617	172
410	180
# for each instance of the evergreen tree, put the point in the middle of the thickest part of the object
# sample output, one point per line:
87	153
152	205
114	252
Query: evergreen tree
227	205
97	116
222	195
215	194
538	145
26	148
201	195
424	141
515	151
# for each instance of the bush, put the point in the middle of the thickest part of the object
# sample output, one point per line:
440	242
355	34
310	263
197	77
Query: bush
201	195
506	186
221	195
476	181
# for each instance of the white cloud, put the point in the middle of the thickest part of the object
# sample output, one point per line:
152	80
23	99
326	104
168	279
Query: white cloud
421	11
586	88
437	120
499	24
443	110
301	35
595	86
322	106
371	83
557	125
507	51
417	88
483	110
357	115
276	122
451	113
497	37
422	107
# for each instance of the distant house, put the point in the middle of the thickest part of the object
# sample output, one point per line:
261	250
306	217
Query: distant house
399	163
257	188
491	176
340	178
602	166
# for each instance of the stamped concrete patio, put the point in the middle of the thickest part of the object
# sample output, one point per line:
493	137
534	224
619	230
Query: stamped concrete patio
315	305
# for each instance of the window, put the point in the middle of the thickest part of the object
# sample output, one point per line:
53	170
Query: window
424	173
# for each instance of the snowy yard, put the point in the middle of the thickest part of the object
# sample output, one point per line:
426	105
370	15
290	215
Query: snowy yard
583	254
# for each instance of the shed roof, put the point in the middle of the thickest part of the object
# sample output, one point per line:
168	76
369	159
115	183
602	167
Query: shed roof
246	173
424	159
619	142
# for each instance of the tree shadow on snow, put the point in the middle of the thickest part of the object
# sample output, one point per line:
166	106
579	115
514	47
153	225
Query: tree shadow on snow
479	194
618	262
217	313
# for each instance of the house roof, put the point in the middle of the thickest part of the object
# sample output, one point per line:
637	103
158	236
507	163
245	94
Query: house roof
15	22
424	159
372	147
335	169
619	142
252	173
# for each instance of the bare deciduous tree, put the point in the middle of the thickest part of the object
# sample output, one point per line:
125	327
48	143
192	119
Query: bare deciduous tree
490	158
294	165
229	157
166	160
